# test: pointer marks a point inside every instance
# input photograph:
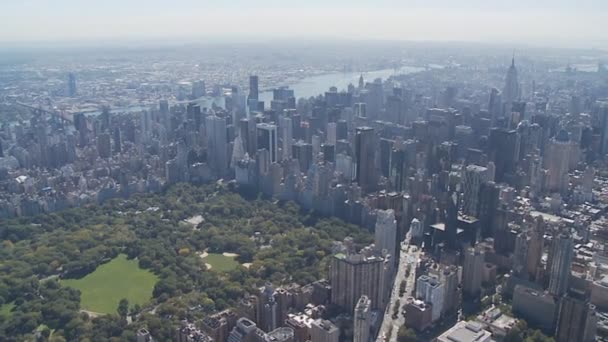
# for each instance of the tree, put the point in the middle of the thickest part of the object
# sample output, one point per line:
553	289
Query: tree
406	334
123	308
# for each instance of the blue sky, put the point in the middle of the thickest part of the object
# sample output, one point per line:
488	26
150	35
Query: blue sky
564	22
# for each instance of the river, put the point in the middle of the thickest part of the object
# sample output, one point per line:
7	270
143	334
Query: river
315	85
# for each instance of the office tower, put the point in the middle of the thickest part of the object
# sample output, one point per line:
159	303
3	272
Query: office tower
601	110
559	263
329	153
365	153
286	126
431	290
503	150
577	320
117	140
253	87
198	89
341	130
354	275
556	161
474	176
395	109
472	271
267	139
303	153
511	91
520	255
386	231
362	320
331	133
488	203
386	149
495	105
535	247
451	292
217	144
360	110
71	86
104	145
324	331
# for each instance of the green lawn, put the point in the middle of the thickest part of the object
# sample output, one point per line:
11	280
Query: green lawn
109	283
5	309
220	262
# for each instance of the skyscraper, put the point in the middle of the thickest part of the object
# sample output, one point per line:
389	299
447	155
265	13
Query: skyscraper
267	139
559	263
286	125
511	90
386	231
474	176
556	161
362	320
577	320
217	144
365	153
354	275
472	271
71	86
504	152
253	87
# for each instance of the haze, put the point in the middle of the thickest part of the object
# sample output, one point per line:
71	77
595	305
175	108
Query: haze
545	22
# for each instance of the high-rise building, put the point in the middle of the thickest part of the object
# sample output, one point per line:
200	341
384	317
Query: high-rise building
286	126
71	86
365	153
198	89
556	161
474	176
503	146
559	263
361	110
601	110
331	133
472	271
511	91
451	291
354	275
267	139
253	87
324	331
302	152
104	145
386	231
217	144
431	290
538	308
362	320
577	320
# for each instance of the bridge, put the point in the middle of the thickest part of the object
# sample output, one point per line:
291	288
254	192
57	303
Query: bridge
62	116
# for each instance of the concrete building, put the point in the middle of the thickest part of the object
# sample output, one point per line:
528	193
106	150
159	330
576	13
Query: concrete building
362	320
536	307
418	314
324	331
559	263
577	320
386	232
474	176
466	331
365	153
473	271
431	290
354	275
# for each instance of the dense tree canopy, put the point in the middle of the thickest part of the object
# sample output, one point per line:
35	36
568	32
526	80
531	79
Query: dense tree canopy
282	243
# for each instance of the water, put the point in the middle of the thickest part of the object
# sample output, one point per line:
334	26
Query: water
307	87
315	85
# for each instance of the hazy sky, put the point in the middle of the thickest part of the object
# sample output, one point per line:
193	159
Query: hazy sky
559	22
